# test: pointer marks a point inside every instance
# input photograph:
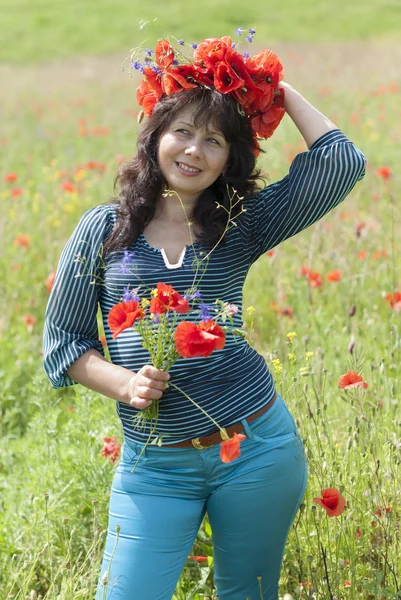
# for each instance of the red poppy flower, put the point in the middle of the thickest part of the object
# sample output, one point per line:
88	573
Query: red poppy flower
226	79
193	340
212	50
230	449
164	54
384	172
49	281
168	299
332	501
16	192
333	276
29	320
22	240
351	380
123	315
199	559
265	124
10	177
111	449
180	78
146	98
69	187
314	279
394	300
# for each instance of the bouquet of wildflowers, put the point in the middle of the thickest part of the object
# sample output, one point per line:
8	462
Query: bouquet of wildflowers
166	339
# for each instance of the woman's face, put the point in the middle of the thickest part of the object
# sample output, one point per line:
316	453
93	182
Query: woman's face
191	158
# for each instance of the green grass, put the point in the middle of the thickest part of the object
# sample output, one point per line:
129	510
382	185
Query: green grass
54	485
49	29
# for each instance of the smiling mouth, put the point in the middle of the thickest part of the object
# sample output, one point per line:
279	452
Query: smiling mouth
187	168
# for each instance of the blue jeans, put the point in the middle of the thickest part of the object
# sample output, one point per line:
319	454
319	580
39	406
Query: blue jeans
251	504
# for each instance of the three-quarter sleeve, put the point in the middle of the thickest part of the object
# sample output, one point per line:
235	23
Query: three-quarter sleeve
318	180
71	314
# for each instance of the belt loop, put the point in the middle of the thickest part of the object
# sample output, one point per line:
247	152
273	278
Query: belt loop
247	429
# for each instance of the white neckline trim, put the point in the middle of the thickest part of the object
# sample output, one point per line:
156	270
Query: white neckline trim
175	265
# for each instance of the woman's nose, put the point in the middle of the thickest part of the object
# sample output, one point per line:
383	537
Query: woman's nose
194	149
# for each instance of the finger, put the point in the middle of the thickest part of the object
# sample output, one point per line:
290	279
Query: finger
153	373
140	403
146	392
153	383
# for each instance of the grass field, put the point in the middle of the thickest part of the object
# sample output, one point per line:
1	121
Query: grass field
63	133
48	29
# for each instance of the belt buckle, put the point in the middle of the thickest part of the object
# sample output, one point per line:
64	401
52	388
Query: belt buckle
196	444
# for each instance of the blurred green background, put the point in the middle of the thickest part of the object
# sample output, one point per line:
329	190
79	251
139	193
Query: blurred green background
39	30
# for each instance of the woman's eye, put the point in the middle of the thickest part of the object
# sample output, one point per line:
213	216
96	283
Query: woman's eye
182	131
214	141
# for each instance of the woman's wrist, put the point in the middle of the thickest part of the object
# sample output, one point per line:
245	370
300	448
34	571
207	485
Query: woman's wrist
311	123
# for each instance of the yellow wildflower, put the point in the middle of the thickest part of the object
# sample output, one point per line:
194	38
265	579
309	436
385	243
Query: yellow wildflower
144	302
310	355
250	310
291	356
291	335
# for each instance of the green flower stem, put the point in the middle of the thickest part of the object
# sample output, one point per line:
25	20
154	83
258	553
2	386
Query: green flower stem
223	433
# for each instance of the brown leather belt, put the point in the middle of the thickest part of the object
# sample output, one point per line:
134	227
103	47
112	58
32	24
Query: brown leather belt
215	438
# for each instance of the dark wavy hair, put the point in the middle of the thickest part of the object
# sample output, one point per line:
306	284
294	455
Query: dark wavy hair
140	180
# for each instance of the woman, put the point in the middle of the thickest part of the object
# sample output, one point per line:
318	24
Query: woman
200	144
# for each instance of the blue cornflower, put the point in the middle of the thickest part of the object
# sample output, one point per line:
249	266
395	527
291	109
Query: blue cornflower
246	55
126	261
252	31
175	62
156	70
196	294
249	38
239	31
148	51
130	295
233	45
194	46
205	312
137	65
181	42
156	318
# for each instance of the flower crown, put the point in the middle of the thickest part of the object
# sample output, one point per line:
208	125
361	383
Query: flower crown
252	81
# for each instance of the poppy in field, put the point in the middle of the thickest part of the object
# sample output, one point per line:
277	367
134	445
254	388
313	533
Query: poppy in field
359	228
10	177
230	449
199	559
69	187
16	192
362	255
332	501
394	300
111	449
315	279
193	340
123	315
351	380
333	276
49	281
166	298
22	240
379	254
384	172
29	320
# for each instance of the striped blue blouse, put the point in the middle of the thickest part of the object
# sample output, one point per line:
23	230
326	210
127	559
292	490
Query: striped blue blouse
231	383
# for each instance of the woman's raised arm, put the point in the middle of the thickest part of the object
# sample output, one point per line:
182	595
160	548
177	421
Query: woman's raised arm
311	123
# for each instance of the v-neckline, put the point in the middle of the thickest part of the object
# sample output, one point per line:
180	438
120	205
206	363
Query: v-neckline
176	265
162	251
